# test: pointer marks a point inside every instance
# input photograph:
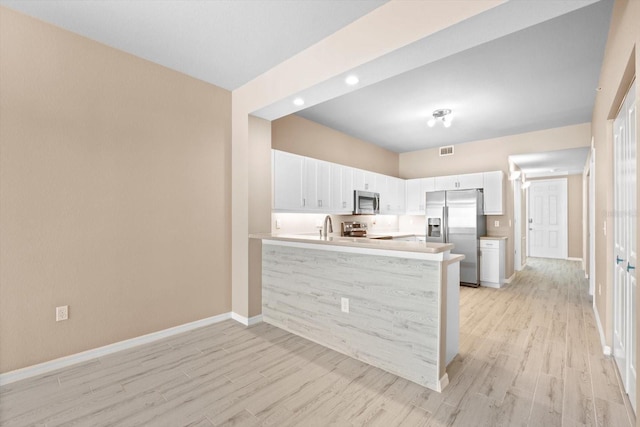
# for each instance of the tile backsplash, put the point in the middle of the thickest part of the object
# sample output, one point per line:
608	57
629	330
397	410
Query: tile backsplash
306	223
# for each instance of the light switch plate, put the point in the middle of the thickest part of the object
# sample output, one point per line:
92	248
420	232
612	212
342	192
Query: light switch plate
496	223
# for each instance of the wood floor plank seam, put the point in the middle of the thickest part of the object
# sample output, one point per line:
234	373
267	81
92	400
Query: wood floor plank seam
528	356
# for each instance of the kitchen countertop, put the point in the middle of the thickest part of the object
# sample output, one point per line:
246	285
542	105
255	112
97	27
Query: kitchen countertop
392	234
361	242
493	238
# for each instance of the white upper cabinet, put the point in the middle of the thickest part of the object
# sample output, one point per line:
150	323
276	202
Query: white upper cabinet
300	184
416	190
470	181
364	180
287	181
317	185
493	193
341	189
303	184
392	194
398	189
459	182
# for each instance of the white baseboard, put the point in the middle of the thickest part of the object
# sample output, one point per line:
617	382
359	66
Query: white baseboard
246	321
490	285
510	279
574	259
444	381
606	350
63	362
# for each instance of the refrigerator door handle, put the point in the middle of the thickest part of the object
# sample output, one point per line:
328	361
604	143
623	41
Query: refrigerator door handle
445	224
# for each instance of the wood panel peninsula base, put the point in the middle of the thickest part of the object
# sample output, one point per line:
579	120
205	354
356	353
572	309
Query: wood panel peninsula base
394	305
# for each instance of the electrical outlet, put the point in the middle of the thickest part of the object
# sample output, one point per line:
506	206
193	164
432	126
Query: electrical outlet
344	303
509	223
496	223
62	313
599	289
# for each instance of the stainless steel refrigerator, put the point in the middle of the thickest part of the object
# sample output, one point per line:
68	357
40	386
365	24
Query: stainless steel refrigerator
458	217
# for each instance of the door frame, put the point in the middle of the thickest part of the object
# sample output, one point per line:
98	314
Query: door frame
517	224
592	222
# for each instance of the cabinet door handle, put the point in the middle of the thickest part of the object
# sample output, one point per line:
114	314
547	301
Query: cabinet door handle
619	260
630	267
304	202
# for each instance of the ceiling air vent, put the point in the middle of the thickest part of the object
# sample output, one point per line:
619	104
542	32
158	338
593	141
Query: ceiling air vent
446	151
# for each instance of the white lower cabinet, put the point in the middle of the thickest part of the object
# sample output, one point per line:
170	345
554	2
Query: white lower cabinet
492	254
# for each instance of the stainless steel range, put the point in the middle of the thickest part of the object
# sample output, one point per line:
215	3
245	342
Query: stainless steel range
353	229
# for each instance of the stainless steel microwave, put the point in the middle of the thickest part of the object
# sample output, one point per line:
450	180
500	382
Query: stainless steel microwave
366	203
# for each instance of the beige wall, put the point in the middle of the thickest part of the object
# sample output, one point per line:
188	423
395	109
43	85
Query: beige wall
493	154
621	63
114	194
298	135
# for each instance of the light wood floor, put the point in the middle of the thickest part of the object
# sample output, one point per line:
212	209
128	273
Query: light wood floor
530	355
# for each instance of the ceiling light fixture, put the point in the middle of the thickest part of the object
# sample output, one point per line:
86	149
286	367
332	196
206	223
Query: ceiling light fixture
352	80
442	114
299	102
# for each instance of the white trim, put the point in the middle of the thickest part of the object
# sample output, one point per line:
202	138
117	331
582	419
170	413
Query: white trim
246	321
513	276
444	381
574	259
606	350
63	362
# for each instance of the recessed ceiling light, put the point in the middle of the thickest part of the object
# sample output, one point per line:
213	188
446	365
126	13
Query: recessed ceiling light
352	80
298	101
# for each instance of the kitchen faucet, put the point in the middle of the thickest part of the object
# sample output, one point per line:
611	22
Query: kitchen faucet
324	227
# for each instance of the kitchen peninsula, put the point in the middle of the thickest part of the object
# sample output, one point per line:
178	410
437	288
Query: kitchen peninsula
392	304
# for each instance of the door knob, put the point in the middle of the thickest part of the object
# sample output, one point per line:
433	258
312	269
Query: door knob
630	267
618	260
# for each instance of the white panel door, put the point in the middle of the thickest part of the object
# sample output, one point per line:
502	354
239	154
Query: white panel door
548	219
625	245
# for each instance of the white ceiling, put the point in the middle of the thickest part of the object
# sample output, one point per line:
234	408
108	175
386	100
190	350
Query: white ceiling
552	163
224	42
519	67
539	77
